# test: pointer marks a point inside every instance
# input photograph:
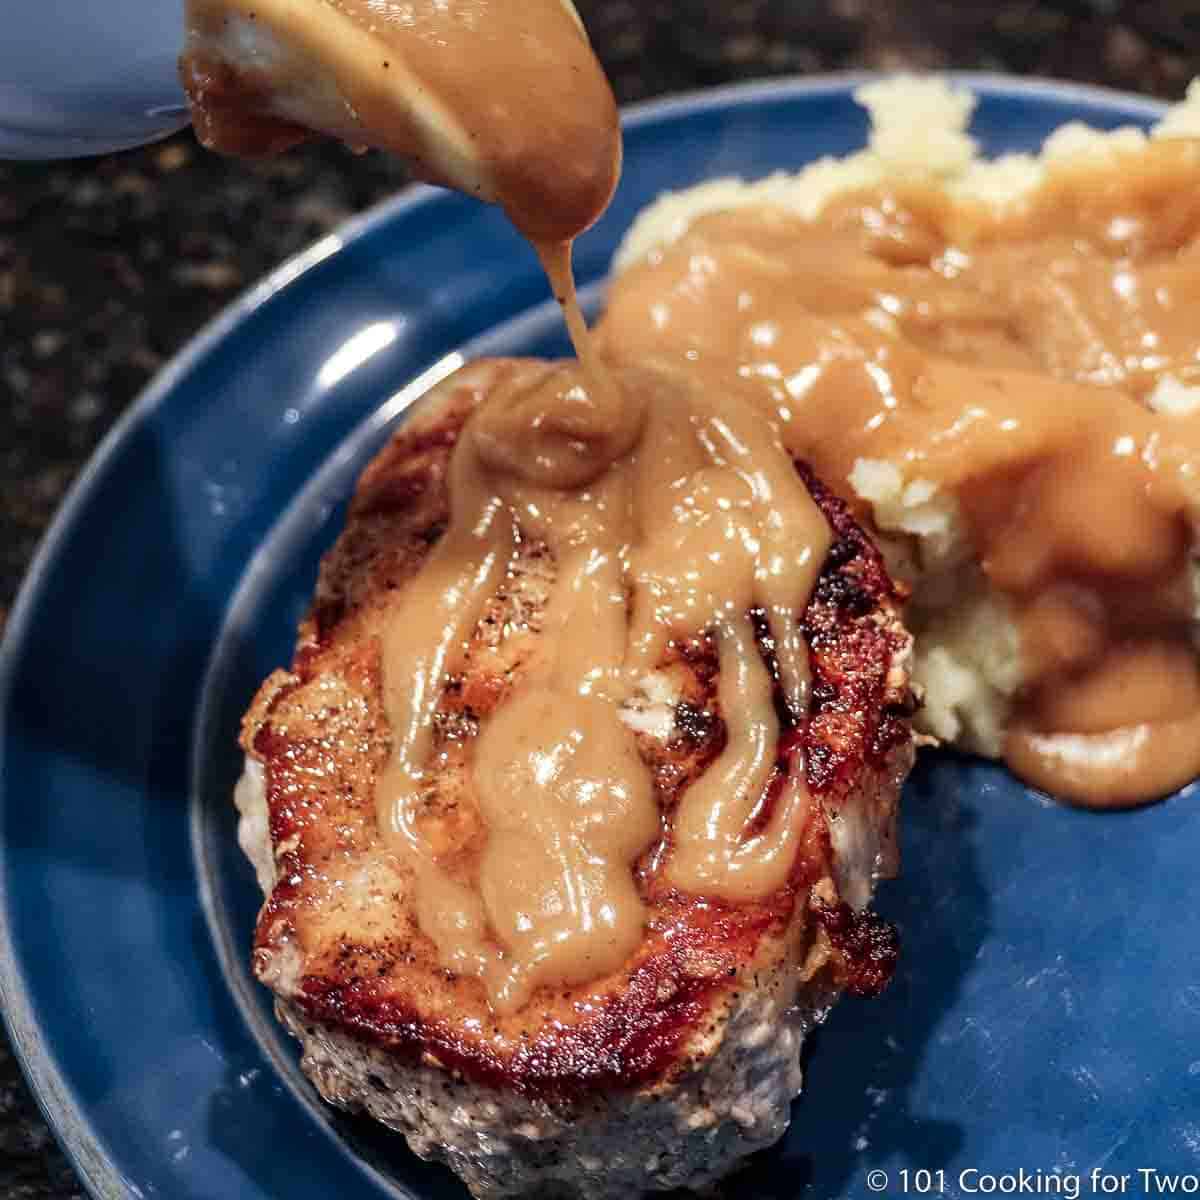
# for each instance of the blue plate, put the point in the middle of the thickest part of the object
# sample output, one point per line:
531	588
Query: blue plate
1045	1016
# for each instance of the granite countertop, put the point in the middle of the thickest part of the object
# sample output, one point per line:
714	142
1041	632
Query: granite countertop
107	266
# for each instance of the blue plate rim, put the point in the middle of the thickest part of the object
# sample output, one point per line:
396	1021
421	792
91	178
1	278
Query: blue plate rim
55	1098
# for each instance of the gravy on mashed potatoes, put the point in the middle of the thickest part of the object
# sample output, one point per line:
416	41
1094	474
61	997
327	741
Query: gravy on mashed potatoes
1015	382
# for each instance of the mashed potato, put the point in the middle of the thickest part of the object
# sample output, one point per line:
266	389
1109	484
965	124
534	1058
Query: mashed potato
967	654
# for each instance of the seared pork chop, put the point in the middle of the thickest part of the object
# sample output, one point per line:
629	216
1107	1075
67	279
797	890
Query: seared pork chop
664	1073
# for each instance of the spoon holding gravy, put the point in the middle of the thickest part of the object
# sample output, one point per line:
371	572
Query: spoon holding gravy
500	101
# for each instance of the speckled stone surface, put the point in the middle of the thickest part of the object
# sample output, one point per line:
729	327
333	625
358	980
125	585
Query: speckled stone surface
107	266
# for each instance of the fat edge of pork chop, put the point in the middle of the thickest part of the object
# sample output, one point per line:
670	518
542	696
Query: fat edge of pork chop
669	1074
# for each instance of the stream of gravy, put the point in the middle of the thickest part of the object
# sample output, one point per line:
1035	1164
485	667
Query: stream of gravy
670	509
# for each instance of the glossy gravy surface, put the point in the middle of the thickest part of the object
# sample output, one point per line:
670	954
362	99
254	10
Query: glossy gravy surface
668	511
1009	361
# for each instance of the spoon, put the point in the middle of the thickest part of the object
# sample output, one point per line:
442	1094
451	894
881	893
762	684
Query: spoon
499	100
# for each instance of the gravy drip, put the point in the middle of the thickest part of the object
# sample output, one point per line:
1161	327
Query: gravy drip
1008	361
502	101
668	511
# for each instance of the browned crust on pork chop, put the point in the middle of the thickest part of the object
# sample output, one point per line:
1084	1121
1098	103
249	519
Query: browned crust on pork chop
336	936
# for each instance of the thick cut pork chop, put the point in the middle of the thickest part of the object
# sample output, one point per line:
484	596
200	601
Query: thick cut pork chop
662	1074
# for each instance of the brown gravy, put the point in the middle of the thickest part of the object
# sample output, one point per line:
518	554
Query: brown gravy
1008	361
669	508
